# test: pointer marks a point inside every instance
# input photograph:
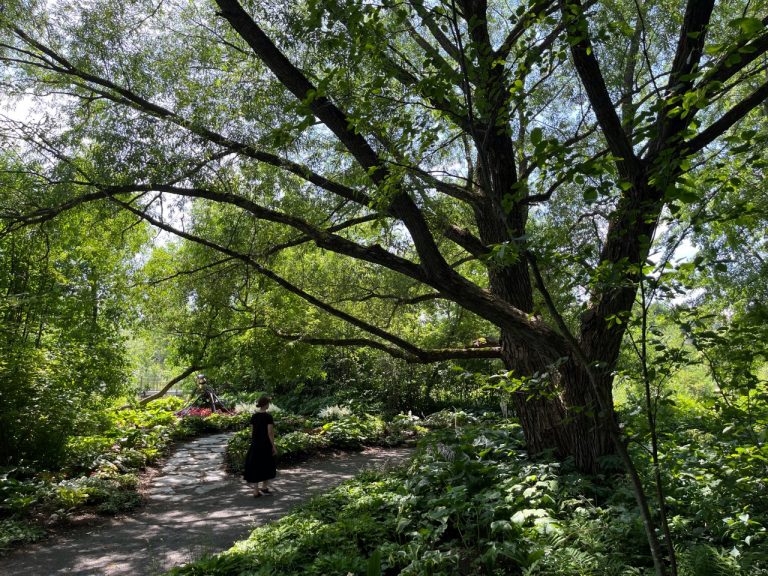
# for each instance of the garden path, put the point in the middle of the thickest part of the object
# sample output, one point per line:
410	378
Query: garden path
193	507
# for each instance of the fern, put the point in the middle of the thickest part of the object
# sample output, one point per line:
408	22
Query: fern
705	560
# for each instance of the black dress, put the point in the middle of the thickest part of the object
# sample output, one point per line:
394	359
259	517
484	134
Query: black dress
260	462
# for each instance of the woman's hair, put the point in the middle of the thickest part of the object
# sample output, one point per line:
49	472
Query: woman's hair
263	401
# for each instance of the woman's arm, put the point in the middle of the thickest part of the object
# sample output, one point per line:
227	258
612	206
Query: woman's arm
271	434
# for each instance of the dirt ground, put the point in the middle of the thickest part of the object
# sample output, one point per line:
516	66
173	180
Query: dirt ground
193	508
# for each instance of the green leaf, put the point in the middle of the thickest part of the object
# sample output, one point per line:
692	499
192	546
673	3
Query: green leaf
374	564
536	136
747	26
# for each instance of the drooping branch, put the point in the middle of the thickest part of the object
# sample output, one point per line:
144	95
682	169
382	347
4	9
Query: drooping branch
537	334
15	219
420	355
323	238
335	228
125	97
180	273
470	296
170	384
282	282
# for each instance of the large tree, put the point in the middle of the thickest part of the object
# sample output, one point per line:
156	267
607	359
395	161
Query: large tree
510	158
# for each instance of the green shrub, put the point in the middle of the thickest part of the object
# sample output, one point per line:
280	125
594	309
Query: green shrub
448	418
286	422
296	444
82	452
118	501
354	432
224	422
335	533
67	495
14	532
334	412
17	495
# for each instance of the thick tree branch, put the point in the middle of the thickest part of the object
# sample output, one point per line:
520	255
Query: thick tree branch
410	352
282	282
399	300
719	127
522	25
323	238
298	84
401	205
169	385
435	30
519	324
445	104
464	194
592	79
454	288
737	58
466	240
690	45
690	48
418	355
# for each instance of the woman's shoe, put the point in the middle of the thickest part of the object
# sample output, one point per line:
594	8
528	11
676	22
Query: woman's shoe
266	491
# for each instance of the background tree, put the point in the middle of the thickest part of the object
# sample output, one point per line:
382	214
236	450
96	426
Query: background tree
64	307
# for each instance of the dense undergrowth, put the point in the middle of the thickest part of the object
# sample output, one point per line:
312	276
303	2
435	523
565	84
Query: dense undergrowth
99	472
339	429
473	502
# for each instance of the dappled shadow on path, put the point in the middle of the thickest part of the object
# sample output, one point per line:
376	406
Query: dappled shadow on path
194	508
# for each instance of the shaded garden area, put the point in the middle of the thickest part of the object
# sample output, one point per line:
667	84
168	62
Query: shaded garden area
528	236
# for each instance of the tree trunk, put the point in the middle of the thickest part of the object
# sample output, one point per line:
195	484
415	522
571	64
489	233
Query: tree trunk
561	414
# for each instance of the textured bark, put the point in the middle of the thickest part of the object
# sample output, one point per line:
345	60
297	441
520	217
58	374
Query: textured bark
563	415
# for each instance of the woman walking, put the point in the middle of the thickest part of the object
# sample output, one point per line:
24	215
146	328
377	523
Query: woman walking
260	460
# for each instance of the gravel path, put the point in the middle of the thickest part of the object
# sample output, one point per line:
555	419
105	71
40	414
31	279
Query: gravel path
193	508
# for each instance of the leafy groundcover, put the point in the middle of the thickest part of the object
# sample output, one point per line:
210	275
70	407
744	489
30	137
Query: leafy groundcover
99	472
473	502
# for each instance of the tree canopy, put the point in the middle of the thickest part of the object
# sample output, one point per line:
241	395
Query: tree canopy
370	166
